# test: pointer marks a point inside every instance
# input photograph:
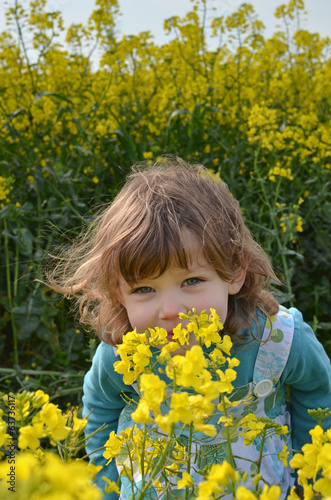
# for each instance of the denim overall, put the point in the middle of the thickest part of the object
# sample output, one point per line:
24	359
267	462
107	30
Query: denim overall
267	400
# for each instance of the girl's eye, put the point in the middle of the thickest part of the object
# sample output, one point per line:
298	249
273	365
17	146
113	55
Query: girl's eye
143	289
192	281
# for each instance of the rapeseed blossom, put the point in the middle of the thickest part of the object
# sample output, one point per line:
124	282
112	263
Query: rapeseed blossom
5	189
45	459
49	478
219	476
258	426
313	464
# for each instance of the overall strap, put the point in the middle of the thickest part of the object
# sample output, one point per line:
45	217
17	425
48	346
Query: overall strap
273	352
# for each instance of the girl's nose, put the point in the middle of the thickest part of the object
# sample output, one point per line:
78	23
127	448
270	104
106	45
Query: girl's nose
170	308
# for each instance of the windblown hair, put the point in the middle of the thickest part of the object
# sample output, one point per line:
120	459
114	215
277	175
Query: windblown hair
141	234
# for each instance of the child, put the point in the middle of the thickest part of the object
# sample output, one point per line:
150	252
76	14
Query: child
172	240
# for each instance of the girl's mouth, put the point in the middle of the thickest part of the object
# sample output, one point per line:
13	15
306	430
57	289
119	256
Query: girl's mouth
170	336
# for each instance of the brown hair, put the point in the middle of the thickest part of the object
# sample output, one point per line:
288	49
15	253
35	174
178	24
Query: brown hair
140	234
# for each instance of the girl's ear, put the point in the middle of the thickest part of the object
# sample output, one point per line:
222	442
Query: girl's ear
237	282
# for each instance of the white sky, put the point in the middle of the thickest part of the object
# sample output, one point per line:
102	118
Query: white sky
148	15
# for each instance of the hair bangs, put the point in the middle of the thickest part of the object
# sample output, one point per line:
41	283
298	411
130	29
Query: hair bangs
151	252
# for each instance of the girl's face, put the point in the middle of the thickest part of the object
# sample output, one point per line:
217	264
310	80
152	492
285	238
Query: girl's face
158	301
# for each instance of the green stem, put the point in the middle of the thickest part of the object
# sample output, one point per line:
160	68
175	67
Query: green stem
228	438
188	468
279	243
158	465
21	38
260	457
142	457
16	269
64	392
9	292
12	371
54	188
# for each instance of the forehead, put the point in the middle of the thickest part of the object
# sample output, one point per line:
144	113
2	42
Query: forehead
191	245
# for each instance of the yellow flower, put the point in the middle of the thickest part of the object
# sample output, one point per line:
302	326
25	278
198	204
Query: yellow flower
124	368
208	488
207	429
40	398
4	437
111	486
282	455
142	413
298	226
5	189
153	389
22	409
158	336
186	481
164	422
233	362
181	334
51	416
271	493
141	357
181	410
79	424
225	379
112	446
186	369
297	461
222	473
242	493
29	436
217	356
93	469
226	344
51	478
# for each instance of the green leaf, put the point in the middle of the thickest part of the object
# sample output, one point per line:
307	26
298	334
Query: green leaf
239	393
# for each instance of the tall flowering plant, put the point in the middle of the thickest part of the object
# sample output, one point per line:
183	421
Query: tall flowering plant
158	446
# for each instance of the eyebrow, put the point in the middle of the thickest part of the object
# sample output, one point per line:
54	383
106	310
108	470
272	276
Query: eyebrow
195	269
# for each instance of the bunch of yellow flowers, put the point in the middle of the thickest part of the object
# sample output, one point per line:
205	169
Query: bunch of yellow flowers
159	450
45	464
314	464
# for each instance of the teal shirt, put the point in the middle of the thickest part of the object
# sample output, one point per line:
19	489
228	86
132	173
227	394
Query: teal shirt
307	372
